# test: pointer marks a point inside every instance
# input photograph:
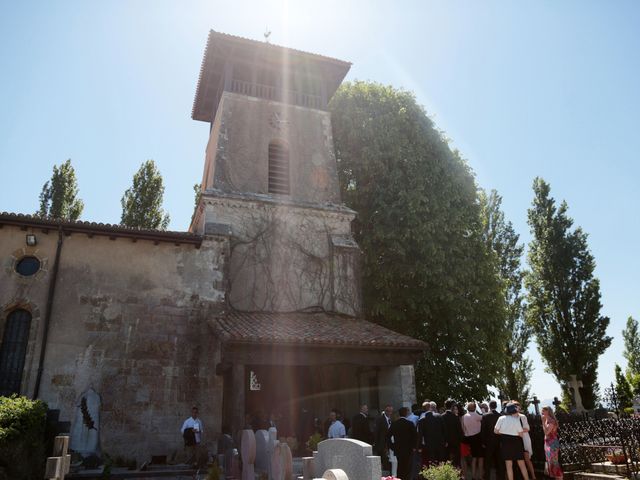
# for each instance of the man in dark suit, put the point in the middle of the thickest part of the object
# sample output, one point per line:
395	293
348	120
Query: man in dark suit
360	429
432	436
383	422
453	430
491	443
402	438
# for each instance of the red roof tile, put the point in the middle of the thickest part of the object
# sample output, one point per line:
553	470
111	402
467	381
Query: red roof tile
310	329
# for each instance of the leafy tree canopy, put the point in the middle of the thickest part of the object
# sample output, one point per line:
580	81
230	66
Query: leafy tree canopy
142	203
632	347
426	268
623	389
502	239
563	295
58	198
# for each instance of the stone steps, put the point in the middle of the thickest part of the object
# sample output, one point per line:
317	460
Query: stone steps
596	476
611	468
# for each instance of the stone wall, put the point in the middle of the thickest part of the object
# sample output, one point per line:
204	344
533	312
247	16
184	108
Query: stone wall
237	156
129	321
287	257
397	386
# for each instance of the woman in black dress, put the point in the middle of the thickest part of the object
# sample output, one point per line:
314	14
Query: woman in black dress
511	430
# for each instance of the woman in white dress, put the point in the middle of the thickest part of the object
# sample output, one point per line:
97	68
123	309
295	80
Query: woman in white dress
526	439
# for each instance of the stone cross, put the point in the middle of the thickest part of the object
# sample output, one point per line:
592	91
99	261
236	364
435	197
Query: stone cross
574	388
536	403
556	403
58	465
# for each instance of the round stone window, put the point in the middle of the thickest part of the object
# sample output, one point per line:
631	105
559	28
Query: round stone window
28	266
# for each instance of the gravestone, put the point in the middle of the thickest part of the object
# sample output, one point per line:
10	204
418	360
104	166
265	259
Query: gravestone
85	433
352	456
58	465
273	441
335	474
262	451
248	451
282	462
308	470
576	398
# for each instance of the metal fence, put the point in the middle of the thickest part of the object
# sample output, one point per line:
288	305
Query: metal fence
585	441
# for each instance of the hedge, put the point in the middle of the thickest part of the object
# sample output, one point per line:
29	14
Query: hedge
22	438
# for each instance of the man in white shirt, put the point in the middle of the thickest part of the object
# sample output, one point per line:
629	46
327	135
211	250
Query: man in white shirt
336	429
192	434
471	426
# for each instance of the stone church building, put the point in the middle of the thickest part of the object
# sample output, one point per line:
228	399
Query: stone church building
257	308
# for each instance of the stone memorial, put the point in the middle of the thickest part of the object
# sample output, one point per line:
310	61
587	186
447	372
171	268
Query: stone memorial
308	469
58	465
282	462
576	398
352	456
85	432
262	451
273	441
287	461
248	450
335	474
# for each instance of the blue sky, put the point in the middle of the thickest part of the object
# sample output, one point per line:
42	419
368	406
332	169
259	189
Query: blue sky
529	89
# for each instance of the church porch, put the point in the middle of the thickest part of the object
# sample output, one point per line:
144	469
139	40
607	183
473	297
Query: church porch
298	366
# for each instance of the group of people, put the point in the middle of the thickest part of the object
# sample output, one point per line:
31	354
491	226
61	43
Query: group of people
476	439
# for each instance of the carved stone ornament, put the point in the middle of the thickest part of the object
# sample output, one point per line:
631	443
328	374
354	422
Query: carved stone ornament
254	386
278	121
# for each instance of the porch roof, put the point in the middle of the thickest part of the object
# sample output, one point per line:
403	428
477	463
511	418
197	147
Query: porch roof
309	330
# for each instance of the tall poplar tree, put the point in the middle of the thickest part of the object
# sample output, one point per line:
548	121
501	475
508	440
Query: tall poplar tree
427	271
59	196
142	203
564	296
623	389
502	239
632	346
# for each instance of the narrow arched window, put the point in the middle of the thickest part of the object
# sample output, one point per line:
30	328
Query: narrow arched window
13	351
278	168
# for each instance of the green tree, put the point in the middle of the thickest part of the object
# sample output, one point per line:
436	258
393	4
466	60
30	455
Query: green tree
426	268
59	196
632	346
502	239
623	389
197	193
564	296
142	203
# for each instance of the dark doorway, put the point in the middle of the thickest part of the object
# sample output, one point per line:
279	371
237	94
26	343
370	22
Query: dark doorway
286	392
13	351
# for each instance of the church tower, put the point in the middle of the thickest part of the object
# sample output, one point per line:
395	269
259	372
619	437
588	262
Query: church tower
270	178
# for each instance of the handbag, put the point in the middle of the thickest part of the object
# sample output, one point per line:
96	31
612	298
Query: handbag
189	437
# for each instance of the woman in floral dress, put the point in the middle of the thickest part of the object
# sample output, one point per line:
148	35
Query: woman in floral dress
551	443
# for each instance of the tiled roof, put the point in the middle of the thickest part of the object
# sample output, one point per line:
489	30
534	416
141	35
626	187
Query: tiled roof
309	329
94	228
274	46
339	68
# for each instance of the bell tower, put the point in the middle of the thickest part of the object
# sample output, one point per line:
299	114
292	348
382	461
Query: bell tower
270	178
